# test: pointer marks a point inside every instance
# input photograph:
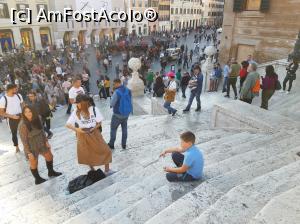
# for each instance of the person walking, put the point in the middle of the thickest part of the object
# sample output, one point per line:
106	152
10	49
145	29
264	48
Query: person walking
290	75
184	83
35	143
159	87
170	93
66	85
268	86
243	73
91	147
195	85
232	78
11	108
226	71
107	86
251	85
121	102
75	90
150	79
178	79
43	110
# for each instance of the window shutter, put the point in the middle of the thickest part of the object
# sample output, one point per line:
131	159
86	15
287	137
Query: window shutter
265	5
239	5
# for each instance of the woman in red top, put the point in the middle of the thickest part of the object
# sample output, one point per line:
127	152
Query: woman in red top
243	73
268	86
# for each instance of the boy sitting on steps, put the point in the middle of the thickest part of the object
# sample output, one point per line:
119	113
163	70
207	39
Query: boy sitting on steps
188	159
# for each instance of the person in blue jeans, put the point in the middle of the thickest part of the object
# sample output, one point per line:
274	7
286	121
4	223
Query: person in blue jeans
170	93
188	159
121	102
195	85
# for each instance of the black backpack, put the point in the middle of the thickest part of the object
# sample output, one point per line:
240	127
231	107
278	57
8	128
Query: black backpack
85	180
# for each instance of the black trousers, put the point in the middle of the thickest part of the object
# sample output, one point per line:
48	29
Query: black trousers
178	159
265	97
13	125
183	89
231	82
290	80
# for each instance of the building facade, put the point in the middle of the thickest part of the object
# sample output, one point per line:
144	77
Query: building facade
21	35
86	32
134	27
164	15
153	26
263	28
186	14
213	12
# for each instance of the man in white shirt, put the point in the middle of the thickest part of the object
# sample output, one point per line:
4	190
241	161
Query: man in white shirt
75	90
11	107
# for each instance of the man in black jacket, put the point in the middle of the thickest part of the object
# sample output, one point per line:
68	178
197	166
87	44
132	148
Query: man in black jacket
43	110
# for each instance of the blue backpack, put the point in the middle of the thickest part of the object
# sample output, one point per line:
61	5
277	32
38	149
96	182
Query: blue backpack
125	105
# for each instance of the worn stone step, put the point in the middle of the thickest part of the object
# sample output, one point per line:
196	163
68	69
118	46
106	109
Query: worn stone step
225	153
120	201
264	152
56	188
32	211
219	182
146	208
103	193
229	180
243	202
283	208
72	166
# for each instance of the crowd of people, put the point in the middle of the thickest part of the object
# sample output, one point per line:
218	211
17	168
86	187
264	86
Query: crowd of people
34	85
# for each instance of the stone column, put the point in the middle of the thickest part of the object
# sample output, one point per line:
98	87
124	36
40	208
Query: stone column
135	84
17	36
37	37
208	65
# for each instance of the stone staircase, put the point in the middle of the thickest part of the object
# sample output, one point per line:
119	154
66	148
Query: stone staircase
247	171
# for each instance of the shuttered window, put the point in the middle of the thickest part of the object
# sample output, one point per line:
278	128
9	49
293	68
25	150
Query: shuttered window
239	5
265	5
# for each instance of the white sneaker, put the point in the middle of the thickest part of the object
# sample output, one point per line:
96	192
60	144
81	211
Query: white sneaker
287	92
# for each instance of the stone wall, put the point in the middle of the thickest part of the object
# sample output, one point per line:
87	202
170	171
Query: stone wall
272	35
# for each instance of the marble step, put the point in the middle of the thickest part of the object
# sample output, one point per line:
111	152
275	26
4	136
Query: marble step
228	141
226	153
72	166
263	152
56	188
283	208
84	202
120	201
32	211
243	202
207	193
146	208
226	182
103	193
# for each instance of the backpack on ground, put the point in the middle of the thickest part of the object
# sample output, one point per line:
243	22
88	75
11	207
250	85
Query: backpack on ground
256	87
125	106
85	180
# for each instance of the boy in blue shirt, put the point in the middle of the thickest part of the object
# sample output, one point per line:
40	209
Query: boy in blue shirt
188	159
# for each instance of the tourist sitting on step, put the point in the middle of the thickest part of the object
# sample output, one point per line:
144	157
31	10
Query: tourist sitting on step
35	143
91	147
188	159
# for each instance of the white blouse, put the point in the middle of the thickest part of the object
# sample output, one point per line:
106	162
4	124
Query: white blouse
91	122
